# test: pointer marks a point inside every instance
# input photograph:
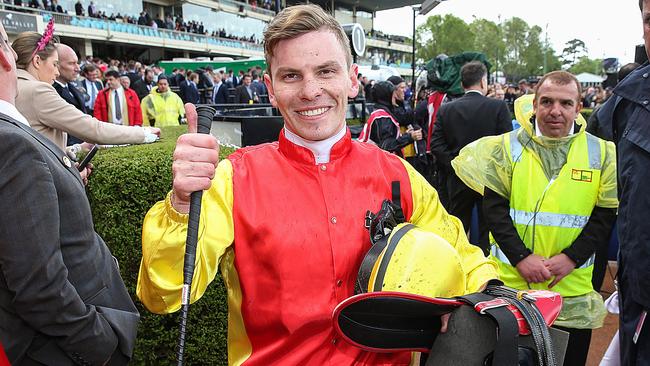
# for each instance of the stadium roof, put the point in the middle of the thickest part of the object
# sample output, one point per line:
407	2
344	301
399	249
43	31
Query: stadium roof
370	5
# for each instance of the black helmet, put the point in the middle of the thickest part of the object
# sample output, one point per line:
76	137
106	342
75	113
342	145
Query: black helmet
383	92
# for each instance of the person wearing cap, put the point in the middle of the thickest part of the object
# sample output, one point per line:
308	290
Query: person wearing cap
402	112
162	106
459	123
289	251
382	127
415	153
549	199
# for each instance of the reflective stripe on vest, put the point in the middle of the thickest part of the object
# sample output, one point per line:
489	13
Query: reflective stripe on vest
498	254
515	148
593	148
548	219
549	214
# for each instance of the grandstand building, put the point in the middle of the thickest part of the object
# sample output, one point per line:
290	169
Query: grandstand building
155	30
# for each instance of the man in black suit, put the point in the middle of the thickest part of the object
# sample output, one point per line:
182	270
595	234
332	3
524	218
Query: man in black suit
231	80
460	122
259	88
244	94
188	90
142	86
219	90
64	83
62	300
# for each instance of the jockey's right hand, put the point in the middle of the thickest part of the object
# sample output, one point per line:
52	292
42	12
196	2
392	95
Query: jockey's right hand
195	159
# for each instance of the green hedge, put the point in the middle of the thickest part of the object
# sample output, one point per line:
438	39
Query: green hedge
126	182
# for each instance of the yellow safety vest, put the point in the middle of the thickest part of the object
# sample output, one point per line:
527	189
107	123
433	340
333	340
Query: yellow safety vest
164	110
550	214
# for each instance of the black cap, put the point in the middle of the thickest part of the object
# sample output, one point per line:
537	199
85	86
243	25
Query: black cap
383	91
395	80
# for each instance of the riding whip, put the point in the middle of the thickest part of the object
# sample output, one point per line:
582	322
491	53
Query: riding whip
205	115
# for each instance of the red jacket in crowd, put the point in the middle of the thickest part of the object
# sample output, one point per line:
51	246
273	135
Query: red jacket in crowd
132	104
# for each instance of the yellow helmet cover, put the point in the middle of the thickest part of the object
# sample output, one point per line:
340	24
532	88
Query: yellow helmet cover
418	262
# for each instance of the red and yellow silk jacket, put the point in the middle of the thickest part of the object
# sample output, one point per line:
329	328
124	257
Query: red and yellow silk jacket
289	236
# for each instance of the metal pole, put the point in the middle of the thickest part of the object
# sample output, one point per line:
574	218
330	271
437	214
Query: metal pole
415	9
545	47
496	71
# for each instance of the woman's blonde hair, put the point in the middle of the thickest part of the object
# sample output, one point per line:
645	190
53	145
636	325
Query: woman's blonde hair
297	20
26	43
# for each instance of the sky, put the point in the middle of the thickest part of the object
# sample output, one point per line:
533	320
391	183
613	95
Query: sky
608	28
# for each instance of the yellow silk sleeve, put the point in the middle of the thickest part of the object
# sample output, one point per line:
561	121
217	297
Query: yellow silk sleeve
163	245
429	214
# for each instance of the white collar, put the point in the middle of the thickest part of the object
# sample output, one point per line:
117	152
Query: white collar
11	111
60	83
473	91
320	149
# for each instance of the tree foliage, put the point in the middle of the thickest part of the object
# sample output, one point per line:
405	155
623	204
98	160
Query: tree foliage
573	51
449	35
585	64
488	39
512	47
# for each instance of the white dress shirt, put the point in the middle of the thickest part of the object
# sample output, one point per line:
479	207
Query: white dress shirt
120	93
11	111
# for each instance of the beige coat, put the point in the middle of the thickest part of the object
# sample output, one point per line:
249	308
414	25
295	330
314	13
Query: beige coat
53	117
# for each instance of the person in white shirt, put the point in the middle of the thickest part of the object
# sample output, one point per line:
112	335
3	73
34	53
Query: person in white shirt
91	86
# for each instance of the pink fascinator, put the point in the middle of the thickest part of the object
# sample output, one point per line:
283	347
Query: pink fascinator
46	38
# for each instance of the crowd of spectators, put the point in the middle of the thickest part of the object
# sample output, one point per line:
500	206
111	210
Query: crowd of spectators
145	19
201	85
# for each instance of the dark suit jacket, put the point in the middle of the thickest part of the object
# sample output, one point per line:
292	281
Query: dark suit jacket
465	120
260	88
242	96
62	300
220	96
83	85
189	93
73	96
140	88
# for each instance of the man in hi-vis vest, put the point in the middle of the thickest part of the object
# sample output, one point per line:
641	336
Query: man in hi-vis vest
549	198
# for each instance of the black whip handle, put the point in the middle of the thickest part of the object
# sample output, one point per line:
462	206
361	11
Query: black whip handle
204	123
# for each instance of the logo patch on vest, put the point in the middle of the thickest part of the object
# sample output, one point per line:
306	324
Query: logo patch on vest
581	175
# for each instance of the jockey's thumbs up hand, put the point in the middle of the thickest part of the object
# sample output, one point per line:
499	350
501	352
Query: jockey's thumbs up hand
195	159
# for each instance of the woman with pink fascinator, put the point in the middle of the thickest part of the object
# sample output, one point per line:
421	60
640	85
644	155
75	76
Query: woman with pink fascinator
50	114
